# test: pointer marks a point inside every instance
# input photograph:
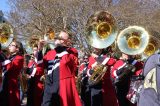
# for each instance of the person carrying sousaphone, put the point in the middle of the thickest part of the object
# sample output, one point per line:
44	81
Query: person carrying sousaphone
3	57
102	92
101	34
131	41
13	67
121	72
2	77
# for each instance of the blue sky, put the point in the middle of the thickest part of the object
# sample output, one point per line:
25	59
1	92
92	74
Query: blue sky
4	6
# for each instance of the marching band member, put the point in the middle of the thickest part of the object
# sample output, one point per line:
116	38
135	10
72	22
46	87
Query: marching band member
135	79
84	64
14	65
61	64
35	85
121	72
85	92
2	60
121	88
2	69
102	93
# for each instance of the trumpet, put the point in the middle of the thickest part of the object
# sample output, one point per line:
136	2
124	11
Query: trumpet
47	41
38	40
50	42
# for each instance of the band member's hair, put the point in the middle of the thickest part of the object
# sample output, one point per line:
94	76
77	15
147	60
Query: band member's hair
20	46
35	45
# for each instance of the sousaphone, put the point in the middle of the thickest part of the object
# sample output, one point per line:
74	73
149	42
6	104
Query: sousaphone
101	33
29	44
152	47
133	40
6	35
101	30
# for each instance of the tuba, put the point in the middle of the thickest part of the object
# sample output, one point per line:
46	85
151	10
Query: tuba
133	40
6	35
151	48
101	33
101	30
33	40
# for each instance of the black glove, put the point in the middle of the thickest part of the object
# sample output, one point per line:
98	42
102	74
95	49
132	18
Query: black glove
60	48
127	69
120	71
124	73
135	78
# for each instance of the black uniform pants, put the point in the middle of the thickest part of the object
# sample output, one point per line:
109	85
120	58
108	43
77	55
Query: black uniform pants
51	93
96	95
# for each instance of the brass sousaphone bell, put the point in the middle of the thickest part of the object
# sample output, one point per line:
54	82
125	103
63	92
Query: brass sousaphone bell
151	48
101	33
101	30
6	35
133	40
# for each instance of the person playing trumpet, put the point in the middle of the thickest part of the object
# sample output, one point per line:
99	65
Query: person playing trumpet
61	64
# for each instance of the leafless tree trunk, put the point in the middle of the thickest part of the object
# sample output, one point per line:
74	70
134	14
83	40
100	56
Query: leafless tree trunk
34	17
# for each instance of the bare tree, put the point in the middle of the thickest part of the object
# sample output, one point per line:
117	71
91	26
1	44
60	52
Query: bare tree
34	17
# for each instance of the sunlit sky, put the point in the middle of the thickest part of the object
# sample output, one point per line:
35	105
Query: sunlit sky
4	6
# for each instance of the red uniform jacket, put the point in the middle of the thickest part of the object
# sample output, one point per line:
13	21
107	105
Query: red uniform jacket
39	70
108	91
68	66
13	70
38	89
82	66
139	67
120	63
